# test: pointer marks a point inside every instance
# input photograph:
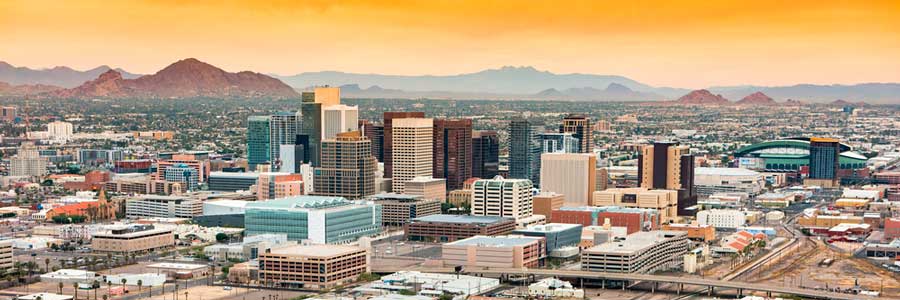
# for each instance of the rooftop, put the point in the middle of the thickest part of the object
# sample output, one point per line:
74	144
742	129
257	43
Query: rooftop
551	227
724	171
316	250
300	202
462	219
395	196
496	241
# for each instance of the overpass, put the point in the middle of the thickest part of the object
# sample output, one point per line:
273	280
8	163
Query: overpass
712	284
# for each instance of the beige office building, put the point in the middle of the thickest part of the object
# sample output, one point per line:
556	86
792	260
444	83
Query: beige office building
6	256
412	151
347	167
133	238
572	174
398	209
672	162
664	201
546	202
316	267
427	187
328	96
512	251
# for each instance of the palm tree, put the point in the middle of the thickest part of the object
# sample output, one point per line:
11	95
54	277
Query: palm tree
75	288
123	284
139	284
60	288
47	265
92	262
96	286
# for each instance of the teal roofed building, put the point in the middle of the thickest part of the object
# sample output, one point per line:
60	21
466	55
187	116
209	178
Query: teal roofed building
790	155
319	219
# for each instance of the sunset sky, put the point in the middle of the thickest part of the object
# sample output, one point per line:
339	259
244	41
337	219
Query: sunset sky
690	44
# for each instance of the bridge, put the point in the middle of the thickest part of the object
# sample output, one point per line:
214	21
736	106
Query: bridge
711	284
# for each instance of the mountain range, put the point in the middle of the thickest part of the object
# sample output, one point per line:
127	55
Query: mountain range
57	76
193	78
187	78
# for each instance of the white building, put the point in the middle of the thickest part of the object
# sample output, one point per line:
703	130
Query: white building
28	162
554	288
224	207
708	181
435	283
60	131
722	218
511	198
249	248
412	150
157	206
338	119
571	174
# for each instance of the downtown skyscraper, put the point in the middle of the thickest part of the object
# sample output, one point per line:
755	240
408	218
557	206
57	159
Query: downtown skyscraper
452	151
524	150
412	150
348	167
580	127
666	165
388	145
283	130
258	149
485	154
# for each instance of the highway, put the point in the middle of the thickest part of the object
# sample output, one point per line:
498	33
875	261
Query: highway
677	280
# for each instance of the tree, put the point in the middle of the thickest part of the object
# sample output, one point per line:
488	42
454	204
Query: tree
75	293
60	288
96	286
47	265
221	237
139	284
123	284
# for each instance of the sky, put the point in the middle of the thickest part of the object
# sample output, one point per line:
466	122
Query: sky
687	44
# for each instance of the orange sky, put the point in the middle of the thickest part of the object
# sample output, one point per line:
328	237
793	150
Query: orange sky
688	44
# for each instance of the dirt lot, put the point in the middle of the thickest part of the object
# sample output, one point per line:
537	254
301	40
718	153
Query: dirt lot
802	269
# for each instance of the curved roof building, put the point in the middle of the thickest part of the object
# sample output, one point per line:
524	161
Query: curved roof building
788	155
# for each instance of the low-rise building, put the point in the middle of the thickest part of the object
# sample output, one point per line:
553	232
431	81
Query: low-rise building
156	206
248	249
449	228
722	218
427	187
635	219
704	233
664	201
776	200
7	261
561	239
554	288
320	219
708	181
133	238
512	251
642	252
399	209
316	267
546	202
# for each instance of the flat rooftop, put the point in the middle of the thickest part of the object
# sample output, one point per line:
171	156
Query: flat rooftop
395	196
316	250
177	266
636	242
550	227
467	219
496	241
300	202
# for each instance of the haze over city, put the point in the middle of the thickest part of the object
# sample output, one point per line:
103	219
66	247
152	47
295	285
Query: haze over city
449	150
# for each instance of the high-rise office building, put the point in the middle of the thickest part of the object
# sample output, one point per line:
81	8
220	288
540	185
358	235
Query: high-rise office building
283	130
337	119
524	150
559	143
375	133
823	161
28	162
348	167
666	165
311	125
8	113
276	185
388	145
292	156
187	175
452	151
258	149
411	142
485	154
580	127
572	174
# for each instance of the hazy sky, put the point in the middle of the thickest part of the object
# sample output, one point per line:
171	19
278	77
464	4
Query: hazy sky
688	44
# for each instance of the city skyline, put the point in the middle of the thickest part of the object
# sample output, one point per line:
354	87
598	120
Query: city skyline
721	43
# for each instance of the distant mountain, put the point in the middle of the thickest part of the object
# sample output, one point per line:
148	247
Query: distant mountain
186	78
880	93
58	76
506	81
757	99
702	97
7	89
